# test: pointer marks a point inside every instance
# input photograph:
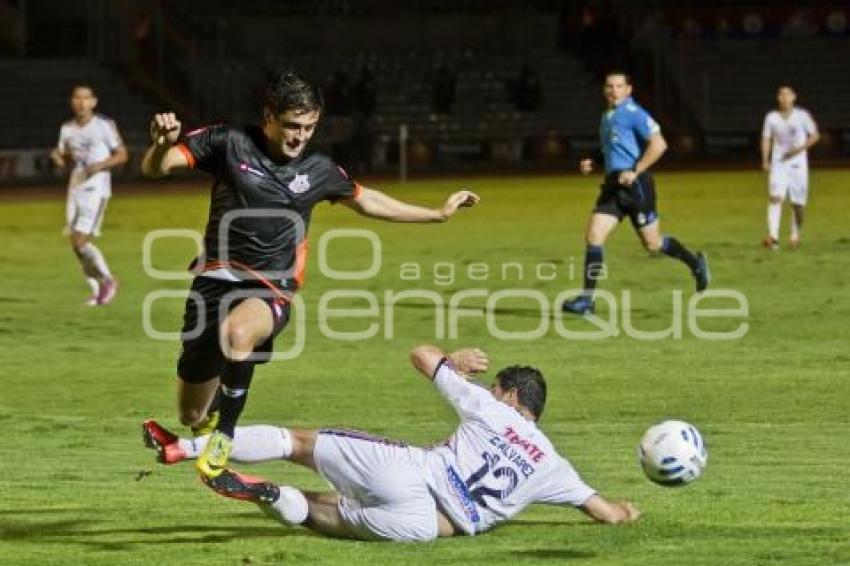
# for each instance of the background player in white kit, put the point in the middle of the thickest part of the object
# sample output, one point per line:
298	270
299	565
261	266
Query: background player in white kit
787	134
495	464
89	145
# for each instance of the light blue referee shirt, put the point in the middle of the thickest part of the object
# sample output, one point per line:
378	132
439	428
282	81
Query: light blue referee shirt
623	134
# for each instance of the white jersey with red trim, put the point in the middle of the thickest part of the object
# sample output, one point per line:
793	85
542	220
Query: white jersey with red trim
496	463
788	133
86	145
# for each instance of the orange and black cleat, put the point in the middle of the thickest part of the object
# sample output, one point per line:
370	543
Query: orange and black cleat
244	488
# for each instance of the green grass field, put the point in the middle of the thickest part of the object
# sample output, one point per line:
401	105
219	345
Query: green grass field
773	405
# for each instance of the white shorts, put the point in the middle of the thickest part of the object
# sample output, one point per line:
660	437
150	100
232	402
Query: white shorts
383	495
84	210
789	181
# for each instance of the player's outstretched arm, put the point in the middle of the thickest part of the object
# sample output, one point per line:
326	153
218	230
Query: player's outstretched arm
376	204
162	156
610	512
467	361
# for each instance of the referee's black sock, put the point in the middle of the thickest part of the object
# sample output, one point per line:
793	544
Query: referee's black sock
593	264
672	247
233	393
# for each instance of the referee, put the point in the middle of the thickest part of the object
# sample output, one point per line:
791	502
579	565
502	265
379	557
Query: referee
631	143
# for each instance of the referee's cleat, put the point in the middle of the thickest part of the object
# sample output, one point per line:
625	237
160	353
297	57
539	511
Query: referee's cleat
244	488
702	273
165	442
579	305
206	426
213	460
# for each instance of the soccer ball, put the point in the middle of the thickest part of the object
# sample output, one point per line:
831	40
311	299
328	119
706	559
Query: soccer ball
672	453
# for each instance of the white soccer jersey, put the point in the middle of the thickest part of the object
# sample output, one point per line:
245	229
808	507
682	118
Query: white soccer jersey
89	144
787	134
496	463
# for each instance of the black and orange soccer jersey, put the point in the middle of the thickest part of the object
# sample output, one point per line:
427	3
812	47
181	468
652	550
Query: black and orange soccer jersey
259	208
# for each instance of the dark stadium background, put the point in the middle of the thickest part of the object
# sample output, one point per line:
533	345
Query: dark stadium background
481	85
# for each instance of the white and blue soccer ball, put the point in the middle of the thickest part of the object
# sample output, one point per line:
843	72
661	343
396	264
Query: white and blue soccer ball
672	453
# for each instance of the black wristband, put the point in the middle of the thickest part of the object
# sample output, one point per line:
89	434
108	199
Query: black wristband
443	360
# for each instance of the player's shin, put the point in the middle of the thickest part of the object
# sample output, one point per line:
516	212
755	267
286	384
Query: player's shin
796	222
94	262
774	218
672	247
256	443
594	260
235	381
210	421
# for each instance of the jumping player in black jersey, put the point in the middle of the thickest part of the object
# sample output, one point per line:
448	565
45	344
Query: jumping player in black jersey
265	187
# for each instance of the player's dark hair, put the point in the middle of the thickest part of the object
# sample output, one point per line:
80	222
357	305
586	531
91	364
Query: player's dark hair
82	84
529	384
287	91
619	73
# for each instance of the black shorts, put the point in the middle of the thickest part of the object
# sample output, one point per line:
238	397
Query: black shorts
637	202
209	301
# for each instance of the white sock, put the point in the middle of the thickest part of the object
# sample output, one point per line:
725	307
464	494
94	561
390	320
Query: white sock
774	217
795	228
88	269
93	284
256	443
96	261
290	508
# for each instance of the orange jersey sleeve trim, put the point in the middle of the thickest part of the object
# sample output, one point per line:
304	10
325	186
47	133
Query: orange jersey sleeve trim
190	159
301	252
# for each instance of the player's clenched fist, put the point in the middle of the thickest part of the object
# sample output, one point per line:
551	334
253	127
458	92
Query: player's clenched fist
165	129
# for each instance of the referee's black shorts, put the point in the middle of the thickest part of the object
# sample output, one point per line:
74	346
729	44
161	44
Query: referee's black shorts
637	201
208	303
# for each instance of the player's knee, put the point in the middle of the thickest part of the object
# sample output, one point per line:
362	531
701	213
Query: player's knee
191	416
78	242
775	200
594	238
303	441
240	342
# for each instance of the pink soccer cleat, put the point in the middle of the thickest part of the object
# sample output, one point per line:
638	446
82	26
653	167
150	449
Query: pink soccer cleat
108	290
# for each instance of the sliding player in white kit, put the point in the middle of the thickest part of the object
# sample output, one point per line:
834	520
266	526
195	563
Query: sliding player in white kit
495	464
89	145
787	134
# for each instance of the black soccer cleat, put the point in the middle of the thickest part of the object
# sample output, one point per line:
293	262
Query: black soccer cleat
245	488
580	305
702	275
